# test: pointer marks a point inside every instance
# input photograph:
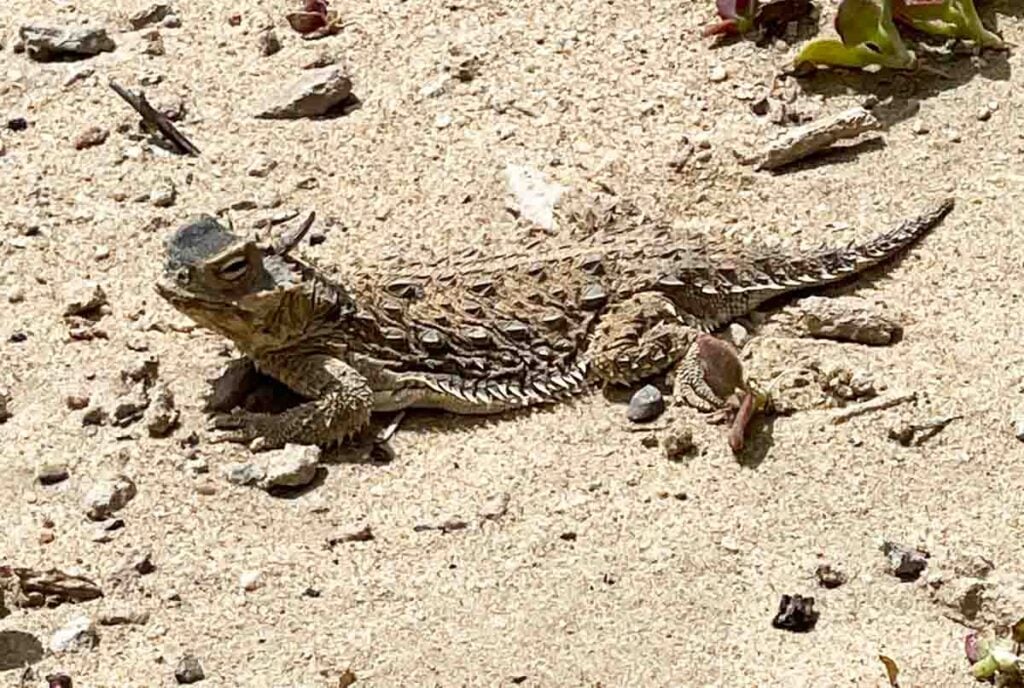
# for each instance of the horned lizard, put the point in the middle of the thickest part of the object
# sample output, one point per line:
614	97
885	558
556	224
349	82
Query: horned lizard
473	334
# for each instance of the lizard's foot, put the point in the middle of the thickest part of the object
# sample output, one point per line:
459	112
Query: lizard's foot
709	374
638	338
244	427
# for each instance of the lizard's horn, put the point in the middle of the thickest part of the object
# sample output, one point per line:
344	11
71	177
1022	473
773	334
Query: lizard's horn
289	240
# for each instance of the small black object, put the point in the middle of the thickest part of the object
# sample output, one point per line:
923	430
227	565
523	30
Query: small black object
796	613
17	124
18	337
59	681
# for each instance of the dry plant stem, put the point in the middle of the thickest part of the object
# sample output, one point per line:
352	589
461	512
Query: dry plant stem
811	138
878	404
156	120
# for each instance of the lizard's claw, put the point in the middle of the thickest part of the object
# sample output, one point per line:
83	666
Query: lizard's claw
237	426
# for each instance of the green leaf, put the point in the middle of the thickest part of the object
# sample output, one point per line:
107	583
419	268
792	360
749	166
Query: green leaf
869	37
948	18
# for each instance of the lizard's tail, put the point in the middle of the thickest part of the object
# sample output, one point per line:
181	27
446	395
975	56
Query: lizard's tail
780	274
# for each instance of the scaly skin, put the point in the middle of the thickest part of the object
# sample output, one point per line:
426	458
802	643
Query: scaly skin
479	335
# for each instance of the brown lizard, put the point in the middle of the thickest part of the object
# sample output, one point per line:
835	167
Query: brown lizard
478	335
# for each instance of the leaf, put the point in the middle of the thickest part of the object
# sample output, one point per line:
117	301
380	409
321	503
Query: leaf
891	670
949	18
857	21
869	37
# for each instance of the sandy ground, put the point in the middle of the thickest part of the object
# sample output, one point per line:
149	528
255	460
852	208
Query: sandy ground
598	574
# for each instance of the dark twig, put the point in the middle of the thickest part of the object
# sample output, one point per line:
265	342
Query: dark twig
155	120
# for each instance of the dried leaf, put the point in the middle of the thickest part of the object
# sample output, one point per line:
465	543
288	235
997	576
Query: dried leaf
891	670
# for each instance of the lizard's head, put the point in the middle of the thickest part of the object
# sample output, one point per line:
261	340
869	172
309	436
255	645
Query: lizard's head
228	283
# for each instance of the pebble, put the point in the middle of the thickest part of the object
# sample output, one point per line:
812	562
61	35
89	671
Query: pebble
983	114
268	43
52	472
495	507
161	417
44	43
153	43
5	404
250	580
906	563
829	577
293	466
189	670
78	634
532	196
360	533
1018	428
17	124
953	136
164	195
919	127
243	473
91	137
738	334
646	405
108	496
148	16
314	94
443	121
717	74
123	617
101	253
82	298
261	167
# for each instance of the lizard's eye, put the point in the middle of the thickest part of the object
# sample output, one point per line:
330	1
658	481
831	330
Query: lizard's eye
234	269
183	276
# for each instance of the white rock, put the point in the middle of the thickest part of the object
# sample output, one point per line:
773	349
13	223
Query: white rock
250	580
314	94
533	197
108	496
292	466
78	634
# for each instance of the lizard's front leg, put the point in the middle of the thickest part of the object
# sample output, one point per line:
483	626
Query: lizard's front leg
647	334
339	406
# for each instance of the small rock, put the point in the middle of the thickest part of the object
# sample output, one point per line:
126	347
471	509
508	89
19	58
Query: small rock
16	295
171	21
44	43
137	562
261	167
846	319
906	563
130	406
59	681
495	507
95	415
646	405
51	473
17	124
292	466
78	634
533	197
829	577
243	473
91	137
738	334
108	496
678	442
250	580
46	537
316	93
189	670
442	121
920	128
983	114
1018	426
161	417
164	195
153	43
268	43
83	298
717	74
154	14
796	613
953	136
123	617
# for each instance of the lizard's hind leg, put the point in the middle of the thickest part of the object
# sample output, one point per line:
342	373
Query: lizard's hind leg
637	338
646	335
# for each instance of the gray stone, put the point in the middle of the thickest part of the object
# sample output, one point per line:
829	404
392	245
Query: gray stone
154	14
78	634
314	94
846	319
243	473
123	617
532	197
268	42
161	417
44	43
189	670
108	496
1018	427
646	405
292	466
